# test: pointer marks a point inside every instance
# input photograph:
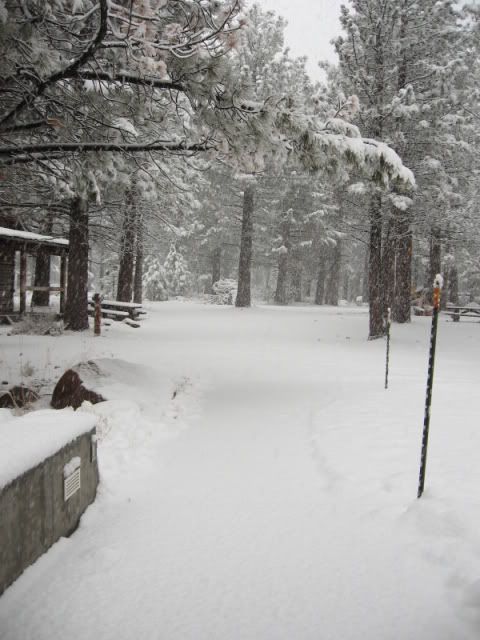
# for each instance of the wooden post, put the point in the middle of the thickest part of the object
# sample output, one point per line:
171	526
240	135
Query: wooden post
63	281
98	314
23	280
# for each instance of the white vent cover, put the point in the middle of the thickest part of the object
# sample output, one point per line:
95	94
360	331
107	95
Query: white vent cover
71	484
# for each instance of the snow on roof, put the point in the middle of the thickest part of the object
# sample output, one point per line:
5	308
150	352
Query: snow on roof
32	237
27	440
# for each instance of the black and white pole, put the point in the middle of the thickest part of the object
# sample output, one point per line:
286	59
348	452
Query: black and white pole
387	365
437	288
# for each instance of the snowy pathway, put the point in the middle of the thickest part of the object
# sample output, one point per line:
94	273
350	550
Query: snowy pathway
269	496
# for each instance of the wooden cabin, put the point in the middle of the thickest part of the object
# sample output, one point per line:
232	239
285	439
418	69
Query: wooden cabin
15	241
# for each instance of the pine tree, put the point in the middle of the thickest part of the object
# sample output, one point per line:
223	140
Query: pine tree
176	272
401	60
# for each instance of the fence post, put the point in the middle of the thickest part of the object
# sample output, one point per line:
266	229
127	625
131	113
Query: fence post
437	288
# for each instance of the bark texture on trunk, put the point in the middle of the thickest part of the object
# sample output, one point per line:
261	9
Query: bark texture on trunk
281	291
42	278
333	280
375	280
346	286
127	249
216	265
452	293
403	272
76	307
365	285
23	281
388	264
246	243
297	291
375	293
138	277
448	265
42	269
282	273
435	262
63	281
321	276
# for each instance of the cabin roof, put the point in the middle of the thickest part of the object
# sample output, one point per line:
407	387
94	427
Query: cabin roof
27	237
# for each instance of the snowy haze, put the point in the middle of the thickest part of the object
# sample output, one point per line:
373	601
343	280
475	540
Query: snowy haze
311	26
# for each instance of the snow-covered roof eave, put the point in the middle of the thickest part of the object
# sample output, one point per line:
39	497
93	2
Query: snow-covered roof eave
34	238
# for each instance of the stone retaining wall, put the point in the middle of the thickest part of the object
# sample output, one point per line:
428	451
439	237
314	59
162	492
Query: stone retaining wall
33	512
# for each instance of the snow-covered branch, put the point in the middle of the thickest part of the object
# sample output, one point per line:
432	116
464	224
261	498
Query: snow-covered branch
40	86
26	153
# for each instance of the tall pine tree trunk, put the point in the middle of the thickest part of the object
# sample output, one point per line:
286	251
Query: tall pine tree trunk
281	293
246	244
401	310
138	277
365	285
216	265
321	276
297	278
452	293
435	261
76	308
333	280
403	273
307	287
42	268
282	273
447	268
388	264
375	293
127	249
346	286
267	292
375	281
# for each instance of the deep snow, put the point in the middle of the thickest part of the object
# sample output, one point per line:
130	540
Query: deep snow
259	483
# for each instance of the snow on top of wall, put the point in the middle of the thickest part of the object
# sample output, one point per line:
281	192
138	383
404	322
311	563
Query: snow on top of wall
34	237
27	440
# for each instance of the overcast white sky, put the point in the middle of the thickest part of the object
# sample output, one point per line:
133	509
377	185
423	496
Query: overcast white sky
311	26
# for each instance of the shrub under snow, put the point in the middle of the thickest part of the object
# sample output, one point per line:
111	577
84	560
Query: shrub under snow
225	291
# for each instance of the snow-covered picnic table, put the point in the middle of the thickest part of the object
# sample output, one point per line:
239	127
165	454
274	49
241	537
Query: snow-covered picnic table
468	311
119	310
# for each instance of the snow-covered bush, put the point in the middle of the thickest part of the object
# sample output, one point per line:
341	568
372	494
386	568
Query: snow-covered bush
154	282
225	291
38	325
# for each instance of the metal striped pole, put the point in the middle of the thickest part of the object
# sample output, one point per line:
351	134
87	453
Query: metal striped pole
387	366
437	288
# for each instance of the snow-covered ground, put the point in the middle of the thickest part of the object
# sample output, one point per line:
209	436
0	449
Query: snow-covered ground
259	483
